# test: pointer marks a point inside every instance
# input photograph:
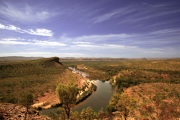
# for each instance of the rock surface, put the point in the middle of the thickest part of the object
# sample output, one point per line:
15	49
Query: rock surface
16	112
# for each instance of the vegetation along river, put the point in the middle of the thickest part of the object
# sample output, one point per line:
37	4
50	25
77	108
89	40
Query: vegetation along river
97	101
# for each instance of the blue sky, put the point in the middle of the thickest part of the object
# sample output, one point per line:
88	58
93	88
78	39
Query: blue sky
90	28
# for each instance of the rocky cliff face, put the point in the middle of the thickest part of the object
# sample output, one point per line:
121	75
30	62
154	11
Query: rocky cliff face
16	112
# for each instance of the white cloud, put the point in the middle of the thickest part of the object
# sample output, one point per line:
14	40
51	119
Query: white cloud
115	46
25	13
82	43
30	54
48	43
38	31
13	43
11	39
9	27
21	41
100	46
101	37
44	54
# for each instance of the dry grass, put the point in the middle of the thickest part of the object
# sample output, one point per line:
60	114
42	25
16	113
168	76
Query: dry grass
35	76
155	100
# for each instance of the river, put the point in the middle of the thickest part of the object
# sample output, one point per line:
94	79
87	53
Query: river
97	101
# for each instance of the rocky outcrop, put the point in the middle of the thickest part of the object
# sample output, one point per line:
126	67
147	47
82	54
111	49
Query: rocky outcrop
87	89
16	112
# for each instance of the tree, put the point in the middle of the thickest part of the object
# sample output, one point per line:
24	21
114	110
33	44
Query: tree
67	95
75	115
26	100
88	114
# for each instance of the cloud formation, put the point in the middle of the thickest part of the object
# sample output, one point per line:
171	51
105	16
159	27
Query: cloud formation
25	13
116	13
153	39
148	12
21	41
38	31
102	28
9	27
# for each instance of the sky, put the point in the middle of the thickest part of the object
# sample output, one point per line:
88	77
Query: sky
90	28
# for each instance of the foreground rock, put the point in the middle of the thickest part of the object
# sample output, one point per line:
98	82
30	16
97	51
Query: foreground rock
16	112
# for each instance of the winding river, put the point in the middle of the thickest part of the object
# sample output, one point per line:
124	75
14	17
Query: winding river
97	101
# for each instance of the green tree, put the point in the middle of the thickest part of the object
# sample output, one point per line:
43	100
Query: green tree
67	95
26	100
88	114
75	115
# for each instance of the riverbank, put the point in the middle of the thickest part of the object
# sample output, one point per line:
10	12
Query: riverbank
50	99
87	89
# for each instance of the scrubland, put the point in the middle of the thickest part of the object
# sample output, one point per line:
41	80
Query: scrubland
144	88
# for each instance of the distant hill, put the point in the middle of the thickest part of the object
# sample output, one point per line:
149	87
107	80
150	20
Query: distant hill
18	58
23	68
112	59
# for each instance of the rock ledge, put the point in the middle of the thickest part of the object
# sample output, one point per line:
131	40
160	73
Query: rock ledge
16	112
